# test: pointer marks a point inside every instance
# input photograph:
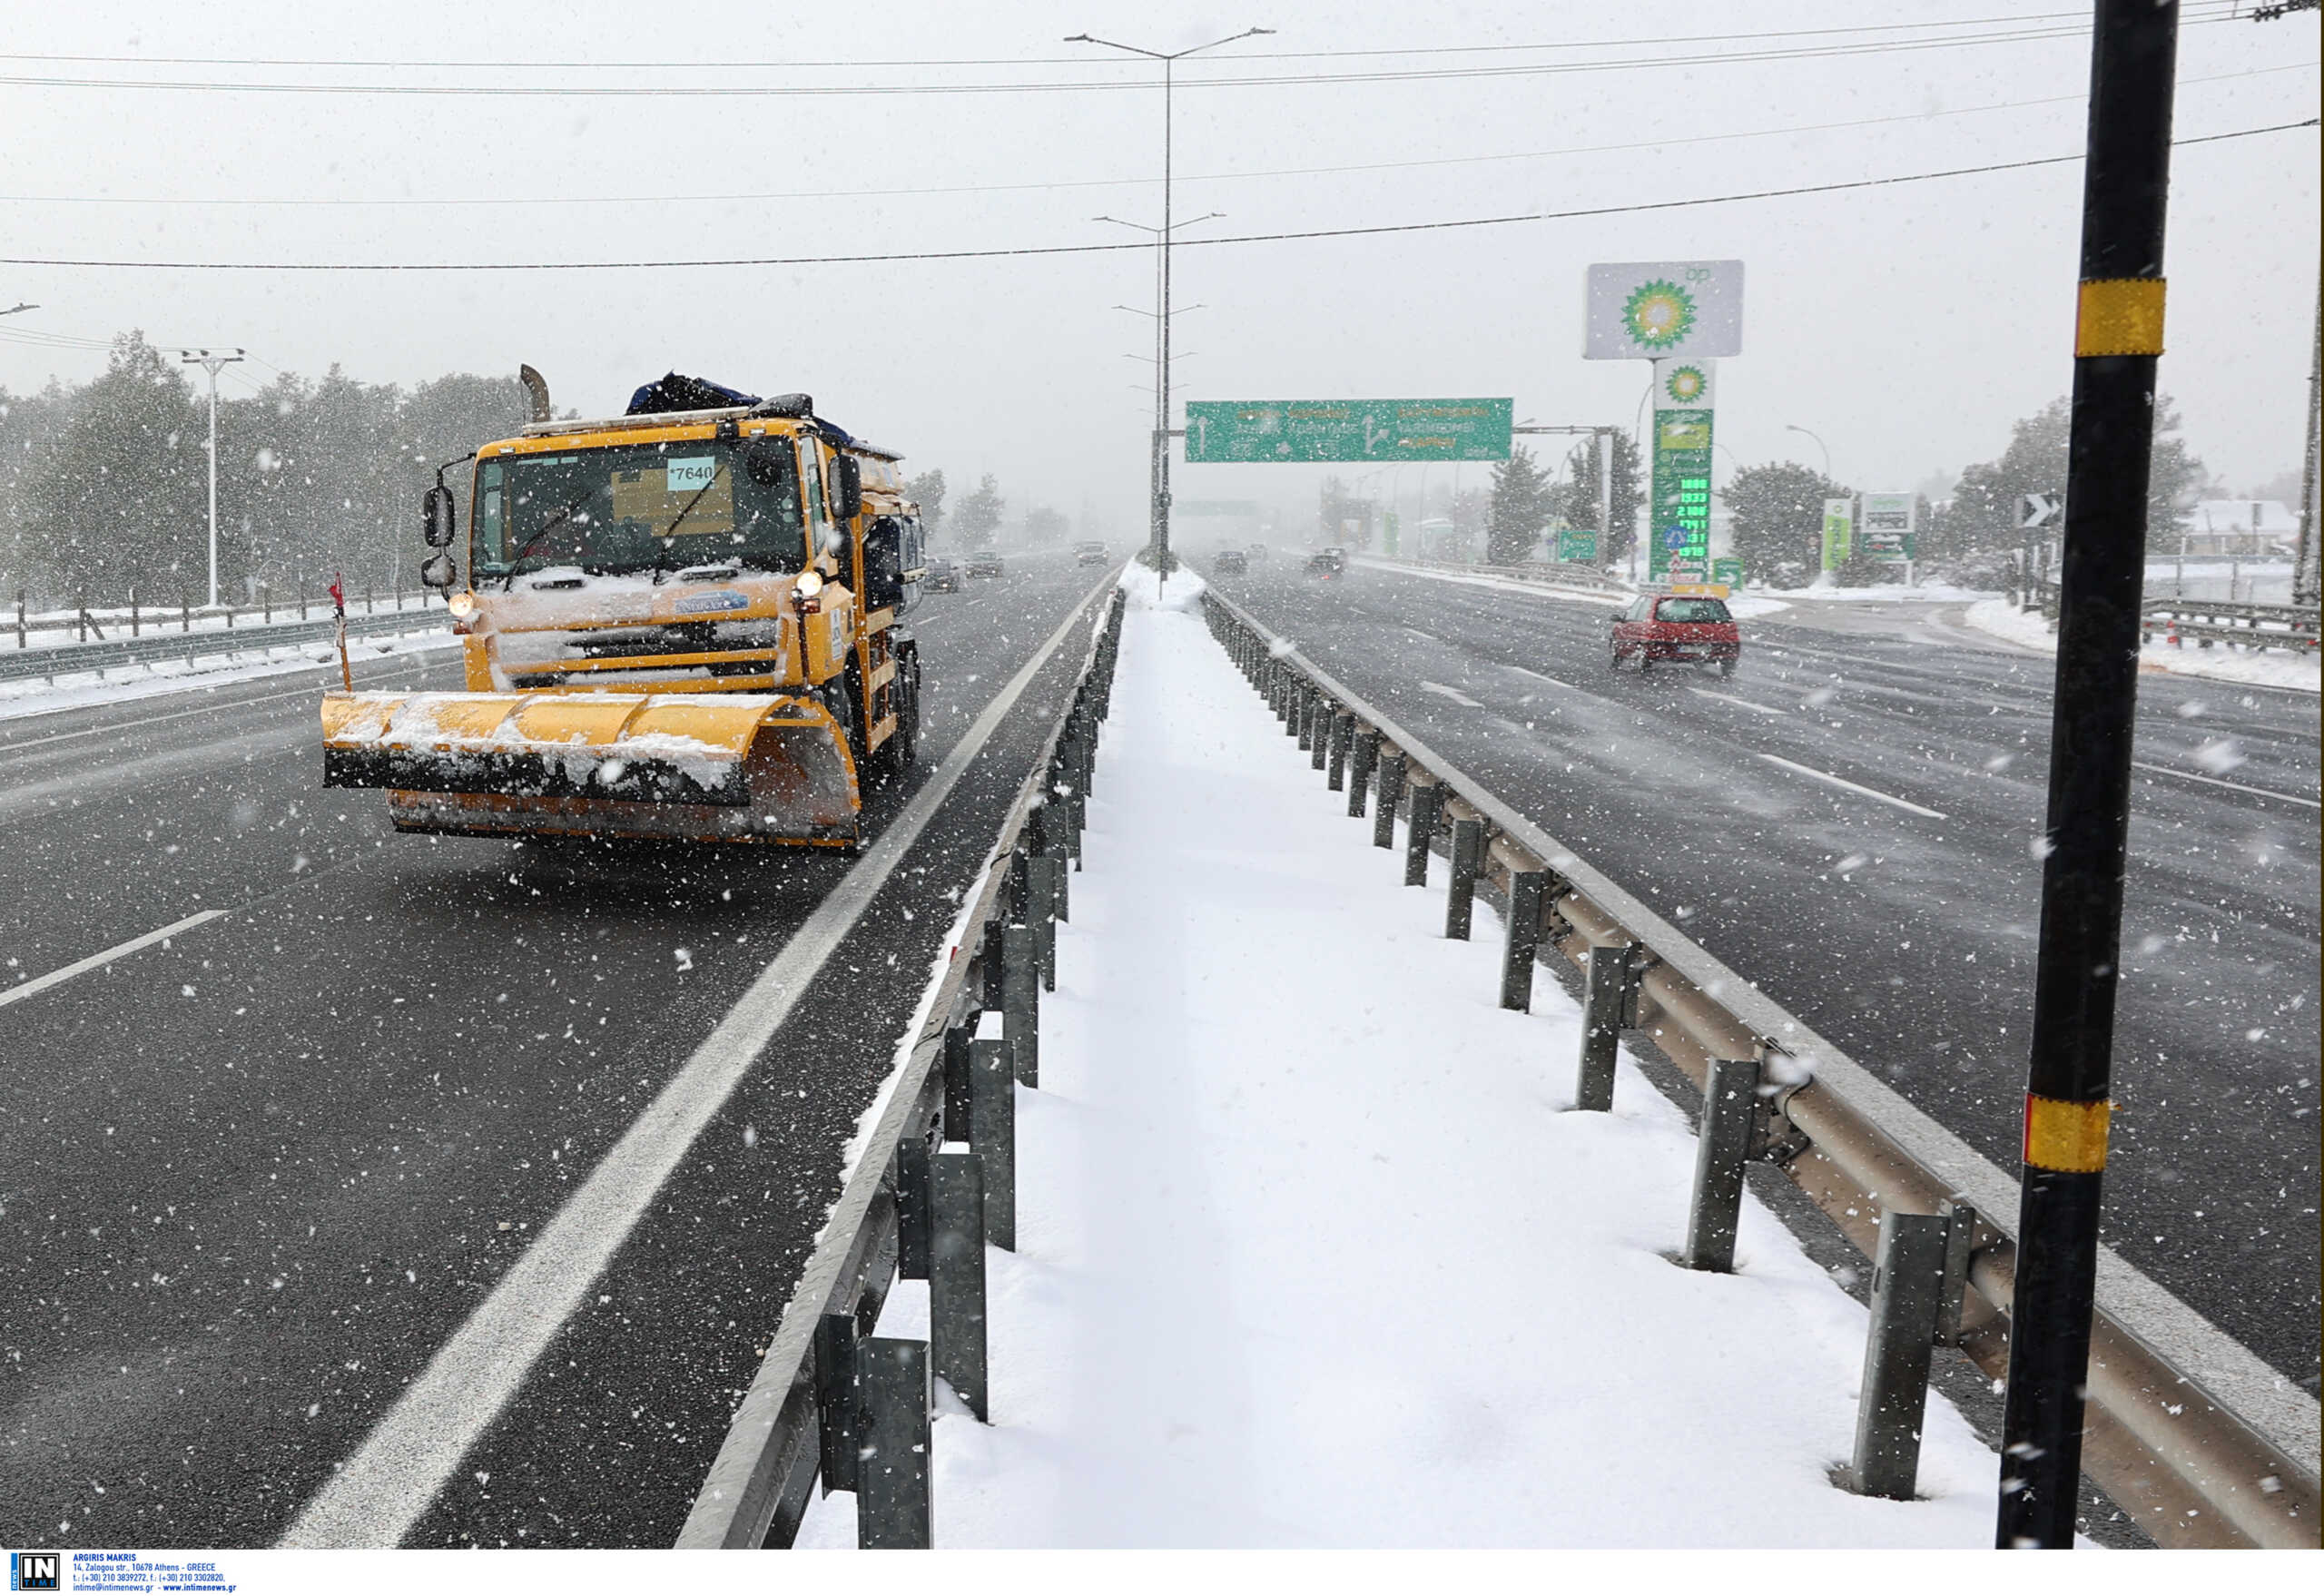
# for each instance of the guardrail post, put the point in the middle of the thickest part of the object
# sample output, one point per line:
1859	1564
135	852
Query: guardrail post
991	965
136	627
1307	718
892	1496
185	612
1907	1283
839	1411
266	602
1020	1007
912	1209
1361	759
1461	891
1295	706
958	1043
1427	798
1319	732
1722	1143
1019	898
1526	889
21	642
1609	1004
1041	917
992	1120
956	1279
1960	1236
1392	793
1342	733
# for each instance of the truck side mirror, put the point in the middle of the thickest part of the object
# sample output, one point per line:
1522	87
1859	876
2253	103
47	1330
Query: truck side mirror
439	517
439	572
847	487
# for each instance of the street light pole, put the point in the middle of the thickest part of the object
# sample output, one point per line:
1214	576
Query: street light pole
1819	444
1158	466
210	363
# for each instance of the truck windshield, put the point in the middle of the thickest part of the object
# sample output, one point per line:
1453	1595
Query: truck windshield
657	507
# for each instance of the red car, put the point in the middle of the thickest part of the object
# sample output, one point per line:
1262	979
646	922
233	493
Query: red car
1679	628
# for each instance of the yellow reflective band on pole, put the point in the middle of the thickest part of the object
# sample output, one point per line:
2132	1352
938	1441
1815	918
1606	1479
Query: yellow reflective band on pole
2067	1139
2120	316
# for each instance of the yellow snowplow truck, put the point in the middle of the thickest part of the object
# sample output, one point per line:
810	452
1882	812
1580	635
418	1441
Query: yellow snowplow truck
681	623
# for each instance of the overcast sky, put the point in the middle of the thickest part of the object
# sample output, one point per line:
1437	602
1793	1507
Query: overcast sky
1907	325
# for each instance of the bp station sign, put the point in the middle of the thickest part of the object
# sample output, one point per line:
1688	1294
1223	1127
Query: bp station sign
1683	316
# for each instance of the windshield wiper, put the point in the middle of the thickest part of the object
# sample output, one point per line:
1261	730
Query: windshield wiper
671	530
508	583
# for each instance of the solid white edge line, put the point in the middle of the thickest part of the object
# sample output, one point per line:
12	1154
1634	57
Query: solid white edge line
393	1478
41	983
1806	770
2188	776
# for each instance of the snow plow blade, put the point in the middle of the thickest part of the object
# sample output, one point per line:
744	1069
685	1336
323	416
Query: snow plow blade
703	767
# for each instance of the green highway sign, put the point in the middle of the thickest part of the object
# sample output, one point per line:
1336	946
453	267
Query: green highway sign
1578	546
1298	431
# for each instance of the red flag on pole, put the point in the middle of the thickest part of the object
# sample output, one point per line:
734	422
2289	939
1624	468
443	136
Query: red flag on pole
339	614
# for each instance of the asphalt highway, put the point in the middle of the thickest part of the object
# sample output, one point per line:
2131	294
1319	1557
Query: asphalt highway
1852	821
254	1175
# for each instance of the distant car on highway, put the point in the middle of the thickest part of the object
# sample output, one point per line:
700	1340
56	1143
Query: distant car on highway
1327	563
1091	553
1229	560
942	576
984	561
1681	628
1257	551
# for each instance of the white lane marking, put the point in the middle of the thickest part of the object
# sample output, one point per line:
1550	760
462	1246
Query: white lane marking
2188	776
380	1492
1537	675
1724	698
1843	782
1455	693
41	983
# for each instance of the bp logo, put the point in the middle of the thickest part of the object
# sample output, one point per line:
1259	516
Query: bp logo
1659	314
1686	385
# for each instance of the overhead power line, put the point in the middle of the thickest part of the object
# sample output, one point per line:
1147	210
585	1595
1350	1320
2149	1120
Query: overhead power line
374	64
1099	182
2039	33
1036	250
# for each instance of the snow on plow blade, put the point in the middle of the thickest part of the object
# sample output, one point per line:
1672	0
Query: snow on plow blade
710	767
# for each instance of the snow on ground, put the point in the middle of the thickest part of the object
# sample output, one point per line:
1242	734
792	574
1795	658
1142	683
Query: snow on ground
1312	1252
2262	667
1505	583
121	683
1927	593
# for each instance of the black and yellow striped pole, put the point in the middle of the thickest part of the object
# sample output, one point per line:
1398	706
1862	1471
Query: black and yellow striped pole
2118	335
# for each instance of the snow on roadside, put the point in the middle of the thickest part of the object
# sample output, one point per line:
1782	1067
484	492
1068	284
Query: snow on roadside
1311	1251
125	684
2259	667
1503	584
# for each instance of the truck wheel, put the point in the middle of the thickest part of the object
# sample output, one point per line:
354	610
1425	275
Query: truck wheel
903	748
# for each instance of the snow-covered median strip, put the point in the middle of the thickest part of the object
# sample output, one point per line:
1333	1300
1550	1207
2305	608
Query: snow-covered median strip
2224	662
126	682
1312	1251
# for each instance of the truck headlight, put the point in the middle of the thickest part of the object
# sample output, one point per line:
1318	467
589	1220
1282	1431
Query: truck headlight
461	605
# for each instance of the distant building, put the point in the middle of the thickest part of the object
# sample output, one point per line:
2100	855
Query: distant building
2246	527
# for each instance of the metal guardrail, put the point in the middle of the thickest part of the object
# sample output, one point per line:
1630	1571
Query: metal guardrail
2197	1440
2253	626
2205	621
830	1402
71	658
1543	573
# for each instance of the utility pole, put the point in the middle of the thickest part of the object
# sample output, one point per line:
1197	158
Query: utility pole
2306	587
2117	339
1159	468
210	361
